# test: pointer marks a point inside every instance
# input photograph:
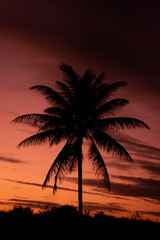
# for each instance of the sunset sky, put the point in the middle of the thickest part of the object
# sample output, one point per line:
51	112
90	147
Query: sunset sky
122	39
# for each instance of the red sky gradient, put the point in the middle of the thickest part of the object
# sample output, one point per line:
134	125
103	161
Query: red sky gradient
122	40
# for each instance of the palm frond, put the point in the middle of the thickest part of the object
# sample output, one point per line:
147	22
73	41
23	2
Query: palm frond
37	139
114	86
34	119
51	136
56	167
104	91
58	112
98	163
119	122
110	107
66	93
60	134
98	80
88	77
65	162
51	96
109	144
100	94
70	76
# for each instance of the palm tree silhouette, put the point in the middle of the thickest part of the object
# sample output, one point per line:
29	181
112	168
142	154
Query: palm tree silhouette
79	109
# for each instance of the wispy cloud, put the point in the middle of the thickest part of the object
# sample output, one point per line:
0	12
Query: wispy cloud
153	168
11	160
49	186
156	213
33	203
145	157
138	148
137	187
109	207
8	112
128	187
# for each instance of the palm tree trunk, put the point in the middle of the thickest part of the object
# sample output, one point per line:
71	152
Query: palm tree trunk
80	178
80	186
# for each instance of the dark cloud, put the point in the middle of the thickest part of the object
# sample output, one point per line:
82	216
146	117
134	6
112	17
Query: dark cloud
145	157
33	203
96	184
39	185
137	147
49	186
156	213
11	160
151	167
137	187
108	207
120	165
131	187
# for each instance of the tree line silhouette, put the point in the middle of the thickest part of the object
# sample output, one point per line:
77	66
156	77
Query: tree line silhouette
70	212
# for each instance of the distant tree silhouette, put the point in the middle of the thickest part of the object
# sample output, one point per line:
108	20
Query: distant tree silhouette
79	109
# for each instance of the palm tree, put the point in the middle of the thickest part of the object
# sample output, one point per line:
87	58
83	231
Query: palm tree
79	109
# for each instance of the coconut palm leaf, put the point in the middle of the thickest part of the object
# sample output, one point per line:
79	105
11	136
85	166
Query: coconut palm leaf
37	139
114	86
60	160
50	125
88	77
119	122
65	92
109	144
51	136
65	162
103	91
98	164
52	96
70	77
98	80
110	107
36	120
58	112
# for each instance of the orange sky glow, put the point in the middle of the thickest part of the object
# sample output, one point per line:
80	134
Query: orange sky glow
31	49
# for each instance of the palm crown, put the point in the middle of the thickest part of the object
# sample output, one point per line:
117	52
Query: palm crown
79	109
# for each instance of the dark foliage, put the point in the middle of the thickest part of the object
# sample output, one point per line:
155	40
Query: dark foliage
66	222
70	213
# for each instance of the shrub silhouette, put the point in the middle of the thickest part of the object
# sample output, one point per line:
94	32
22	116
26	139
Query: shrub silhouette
20	212
66	211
